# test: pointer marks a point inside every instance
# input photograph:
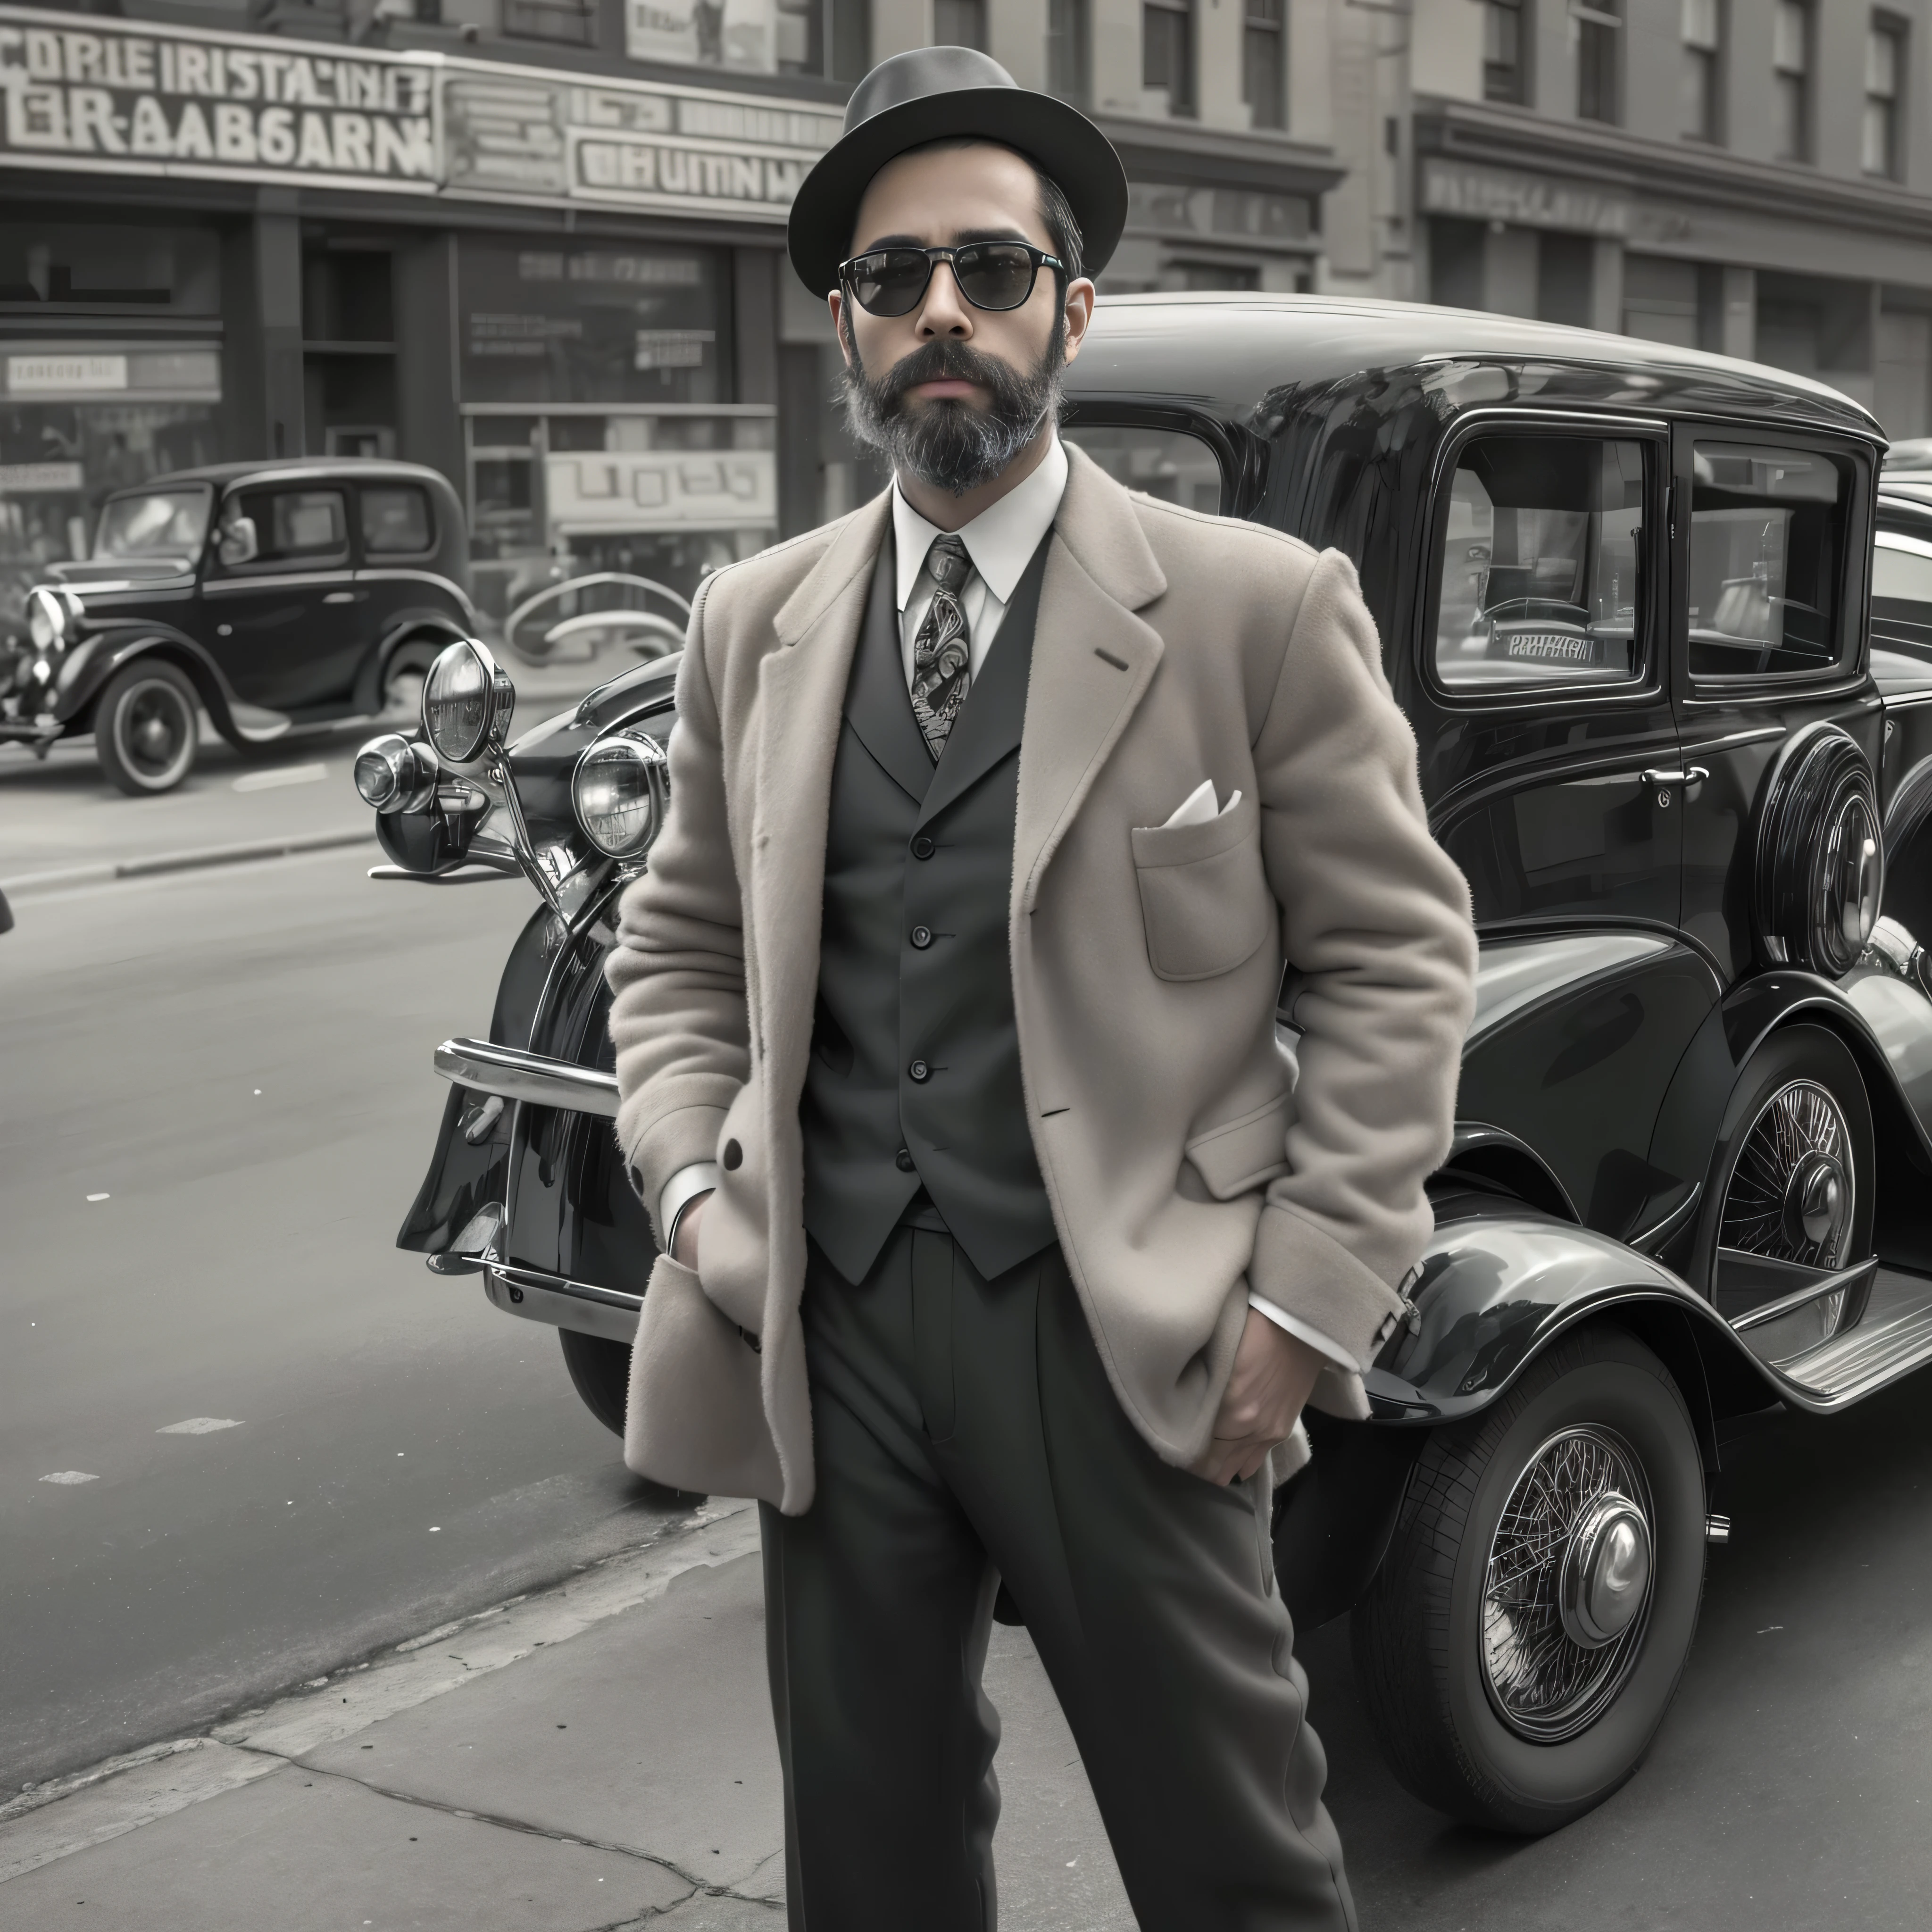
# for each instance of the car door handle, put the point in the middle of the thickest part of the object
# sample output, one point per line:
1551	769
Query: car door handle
340	597
1690	775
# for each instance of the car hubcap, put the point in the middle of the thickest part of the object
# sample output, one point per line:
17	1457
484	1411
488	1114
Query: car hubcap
1792	1191
155	730
1567	1593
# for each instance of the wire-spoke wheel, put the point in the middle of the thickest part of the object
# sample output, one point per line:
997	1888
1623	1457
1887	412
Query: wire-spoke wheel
1791	1181
1567	1592
1526	1631
145	728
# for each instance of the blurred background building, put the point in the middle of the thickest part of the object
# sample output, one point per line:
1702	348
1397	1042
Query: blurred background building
538	243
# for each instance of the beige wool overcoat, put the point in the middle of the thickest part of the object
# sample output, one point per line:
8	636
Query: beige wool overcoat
1185	1162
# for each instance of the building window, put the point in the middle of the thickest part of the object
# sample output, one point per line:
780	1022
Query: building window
1599	32
1068	49
959	23
1885	62
1703	47
1505	31
1264	63
1791	70
1167	51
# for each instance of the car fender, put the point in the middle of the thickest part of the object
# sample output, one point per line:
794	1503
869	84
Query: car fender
407	628
87	667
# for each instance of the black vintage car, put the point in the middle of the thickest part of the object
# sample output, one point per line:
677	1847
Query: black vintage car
1624	593
270	595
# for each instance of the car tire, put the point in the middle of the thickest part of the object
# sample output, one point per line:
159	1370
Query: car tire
600	1371
1812	1066
1524	1732
147	728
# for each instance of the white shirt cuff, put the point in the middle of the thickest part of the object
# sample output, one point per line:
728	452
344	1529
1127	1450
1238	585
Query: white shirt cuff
680	1192
1301	1331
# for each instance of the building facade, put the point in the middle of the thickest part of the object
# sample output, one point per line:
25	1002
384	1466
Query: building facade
1751	176
539	244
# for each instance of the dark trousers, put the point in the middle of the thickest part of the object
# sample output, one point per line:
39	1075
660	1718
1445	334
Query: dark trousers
965	1432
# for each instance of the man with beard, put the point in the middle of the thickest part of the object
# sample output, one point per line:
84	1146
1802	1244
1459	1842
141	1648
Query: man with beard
1004	1248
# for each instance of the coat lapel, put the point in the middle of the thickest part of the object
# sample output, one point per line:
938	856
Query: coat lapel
1093	660
801	695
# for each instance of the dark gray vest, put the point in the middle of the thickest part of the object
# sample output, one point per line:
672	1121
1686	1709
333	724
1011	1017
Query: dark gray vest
914	1076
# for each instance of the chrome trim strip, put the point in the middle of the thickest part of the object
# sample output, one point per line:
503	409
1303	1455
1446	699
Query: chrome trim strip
561	1303
225	587
1847	1279
486	1068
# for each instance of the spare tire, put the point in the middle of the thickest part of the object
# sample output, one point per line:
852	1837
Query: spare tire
1818	873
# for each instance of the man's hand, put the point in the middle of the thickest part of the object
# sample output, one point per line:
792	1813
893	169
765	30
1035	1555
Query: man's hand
684	1248
1274	1372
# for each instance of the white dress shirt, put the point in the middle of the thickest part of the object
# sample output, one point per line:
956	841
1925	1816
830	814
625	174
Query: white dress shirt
1000	542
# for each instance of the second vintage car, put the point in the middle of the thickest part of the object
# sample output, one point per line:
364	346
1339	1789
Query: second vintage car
1624	595
271	595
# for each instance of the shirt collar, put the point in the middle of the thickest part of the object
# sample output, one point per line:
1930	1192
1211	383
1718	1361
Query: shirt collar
1000	540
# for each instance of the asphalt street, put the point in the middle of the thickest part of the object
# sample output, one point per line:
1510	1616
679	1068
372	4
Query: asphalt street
218	1103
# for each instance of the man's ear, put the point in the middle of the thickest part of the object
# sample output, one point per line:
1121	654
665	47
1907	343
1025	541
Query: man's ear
1078	309
835	302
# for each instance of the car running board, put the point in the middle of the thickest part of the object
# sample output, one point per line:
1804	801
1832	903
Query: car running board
1891	1337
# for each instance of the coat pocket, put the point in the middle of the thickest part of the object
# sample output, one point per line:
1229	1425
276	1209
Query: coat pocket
1204	899
1241	1155
695	1418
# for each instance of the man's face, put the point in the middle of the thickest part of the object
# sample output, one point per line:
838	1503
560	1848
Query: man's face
951	391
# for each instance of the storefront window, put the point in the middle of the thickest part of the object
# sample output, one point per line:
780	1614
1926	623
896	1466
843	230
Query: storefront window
88	266
828	37
593	325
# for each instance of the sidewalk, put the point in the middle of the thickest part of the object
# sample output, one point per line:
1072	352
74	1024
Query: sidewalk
598	1756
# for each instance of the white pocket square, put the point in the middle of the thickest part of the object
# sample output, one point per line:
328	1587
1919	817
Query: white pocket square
1198	807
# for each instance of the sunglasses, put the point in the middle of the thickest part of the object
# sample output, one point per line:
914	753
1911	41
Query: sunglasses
994	275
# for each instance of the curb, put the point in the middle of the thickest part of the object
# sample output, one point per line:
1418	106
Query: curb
195	860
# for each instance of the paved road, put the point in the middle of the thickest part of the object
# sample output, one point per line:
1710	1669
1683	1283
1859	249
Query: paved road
238	1061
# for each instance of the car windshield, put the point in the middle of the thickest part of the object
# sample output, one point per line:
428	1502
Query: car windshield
157	523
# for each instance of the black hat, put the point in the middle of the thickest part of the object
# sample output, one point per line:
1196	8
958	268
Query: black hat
935	94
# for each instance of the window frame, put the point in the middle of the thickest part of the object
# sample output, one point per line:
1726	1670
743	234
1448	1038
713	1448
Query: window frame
1804	75
1604	19
331	562
1182	103
1851	665
1523	13
1711	53
1648	683
1242	456
1259	26
1882	25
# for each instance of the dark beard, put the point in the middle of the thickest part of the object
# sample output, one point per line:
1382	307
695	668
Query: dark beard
948	443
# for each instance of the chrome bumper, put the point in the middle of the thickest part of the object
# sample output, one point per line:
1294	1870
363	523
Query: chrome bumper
485	1068
562	1303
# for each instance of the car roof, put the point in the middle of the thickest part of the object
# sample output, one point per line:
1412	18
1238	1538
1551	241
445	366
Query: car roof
294	469
1240	348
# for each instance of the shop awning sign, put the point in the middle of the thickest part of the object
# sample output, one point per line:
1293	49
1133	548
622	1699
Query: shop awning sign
148	101
104	97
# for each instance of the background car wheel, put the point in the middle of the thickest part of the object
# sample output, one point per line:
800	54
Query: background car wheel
1525	1633
145	728
601	1371
1794	1177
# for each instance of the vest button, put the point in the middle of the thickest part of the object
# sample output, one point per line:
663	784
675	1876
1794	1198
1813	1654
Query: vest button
904	1161
918	1070
922	847
922	937
732	1158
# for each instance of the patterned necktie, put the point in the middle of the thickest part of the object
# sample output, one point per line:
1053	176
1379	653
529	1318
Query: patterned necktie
941	660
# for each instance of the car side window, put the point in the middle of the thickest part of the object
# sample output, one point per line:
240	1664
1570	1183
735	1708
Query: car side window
395	520
1767	560
1167	464
285	526
1541	565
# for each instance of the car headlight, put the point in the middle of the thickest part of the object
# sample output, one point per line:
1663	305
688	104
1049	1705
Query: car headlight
620	789
394	775
49	617
466	703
